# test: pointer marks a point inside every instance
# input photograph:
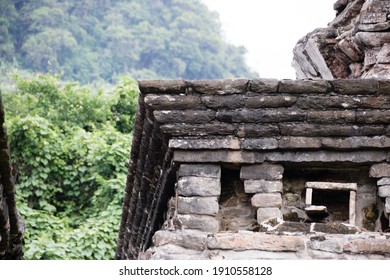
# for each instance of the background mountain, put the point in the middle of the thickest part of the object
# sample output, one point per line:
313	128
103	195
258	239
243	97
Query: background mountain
94	40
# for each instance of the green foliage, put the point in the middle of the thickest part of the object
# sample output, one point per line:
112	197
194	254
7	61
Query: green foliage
70	145
90	40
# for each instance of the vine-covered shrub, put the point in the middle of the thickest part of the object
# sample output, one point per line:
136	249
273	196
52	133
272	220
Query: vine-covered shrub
70	147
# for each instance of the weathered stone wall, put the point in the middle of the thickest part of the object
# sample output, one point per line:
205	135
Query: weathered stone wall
356	44
222	148
11	223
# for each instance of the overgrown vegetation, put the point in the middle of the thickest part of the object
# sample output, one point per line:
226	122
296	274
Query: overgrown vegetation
101	40
70	147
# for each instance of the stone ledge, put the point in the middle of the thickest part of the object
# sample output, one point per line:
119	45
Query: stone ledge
263	186
200	170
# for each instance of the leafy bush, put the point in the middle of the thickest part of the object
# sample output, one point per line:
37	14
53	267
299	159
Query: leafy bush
70	147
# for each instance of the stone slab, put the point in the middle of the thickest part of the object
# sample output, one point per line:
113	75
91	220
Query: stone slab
162	86
211	143
380	170
331	117
331	186
368	246
220	87
232	102
355	86
198	205
200	170
383	181
264	85
299	142
264	214
267	200
304	86
255	241
384	191
260	144
199	222
172	102
198	186
261	116
184	116
265	171
263	186
255	101
190	239
387	205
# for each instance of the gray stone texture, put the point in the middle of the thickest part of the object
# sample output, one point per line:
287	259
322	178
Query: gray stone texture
265	171
264	214
387	205
383	181
199	222
263	186
384	191
200	170
198	205
267	200
198	186
380	170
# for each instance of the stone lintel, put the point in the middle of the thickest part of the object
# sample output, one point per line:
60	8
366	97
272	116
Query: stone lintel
250	157
331	186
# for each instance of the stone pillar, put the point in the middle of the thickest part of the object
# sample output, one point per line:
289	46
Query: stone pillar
197	194
265	182
381	171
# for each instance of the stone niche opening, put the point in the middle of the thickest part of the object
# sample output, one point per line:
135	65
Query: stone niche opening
331	202
235	208
350	197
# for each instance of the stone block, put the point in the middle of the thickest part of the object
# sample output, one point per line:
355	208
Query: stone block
199	222
260	144
299	142
257	130
227	142
265	171
267	200
219	87
190	239
269	101
205	129
368	246
345	116
263	186
326	130
198	186
264	214
173	102
327	244
198	205
200	170
373	116
384	191
355	86
383	181
380	170
387	205
255	241
232	102
261	116
356	142
162	86
264	85
304	86
184	116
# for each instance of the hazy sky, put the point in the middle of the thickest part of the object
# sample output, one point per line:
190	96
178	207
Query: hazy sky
269	29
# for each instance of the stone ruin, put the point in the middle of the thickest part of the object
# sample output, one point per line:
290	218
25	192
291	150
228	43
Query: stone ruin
356	44
259	169
265	168
11	223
